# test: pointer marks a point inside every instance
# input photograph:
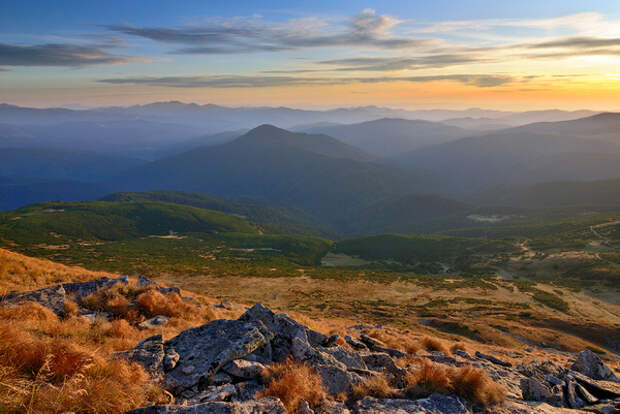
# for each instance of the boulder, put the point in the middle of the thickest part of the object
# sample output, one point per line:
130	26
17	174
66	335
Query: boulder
284	329
50	297
149	353
144	282
241	368
589	364
378	346
351	359
332	407
81	289
434	404
245	391
205	349
159	320
304	408
533	390
263	406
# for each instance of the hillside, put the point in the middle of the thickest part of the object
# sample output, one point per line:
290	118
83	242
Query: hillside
314	172
150	236
62	164
389	137
557	193
522	156
275	218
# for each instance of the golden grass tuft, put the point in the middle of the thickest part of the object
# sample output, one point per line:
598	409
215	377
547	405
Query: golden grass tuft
292	382
377	387
458	346
468	382
435	344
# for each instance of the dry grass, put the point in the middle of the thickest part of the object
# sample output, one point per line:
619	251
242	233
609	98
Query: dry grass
434	344
19	272
468	382
458	346
292	382
394	339
376	386
51	374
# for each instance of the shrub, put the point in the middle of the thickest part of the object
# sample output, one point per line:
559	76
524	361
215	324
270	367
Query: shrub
426	378
291	382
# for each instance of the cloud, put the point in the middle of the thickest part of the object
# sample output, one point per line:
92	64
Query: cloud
228	81
57	54
401	63
577	42
231	36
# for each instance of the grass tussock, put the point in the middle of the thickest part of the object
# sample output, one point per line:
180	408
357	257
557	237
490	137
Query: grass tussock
136	304
52	374
377	387
293	382
434	345
468	382
394	339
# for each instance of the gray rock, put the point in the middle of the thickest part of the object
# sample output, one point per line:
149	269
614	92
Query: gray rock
245	391
51	297
213	393
332	407
533	390
159	320
81	289
262	406
244	369
304	408
351	359
572	400
493	359
208	347
599	389
434	404
284	328
149	353
378	346
589	364
171	359
585	395
463	354
222	378
331	341
355	344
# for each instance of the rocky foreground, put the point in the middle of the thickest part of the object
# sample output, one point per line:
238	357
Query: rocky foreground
220	366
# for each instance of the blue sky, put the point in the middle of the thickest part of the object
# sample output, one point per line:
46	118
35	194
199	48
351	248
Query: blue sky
320	53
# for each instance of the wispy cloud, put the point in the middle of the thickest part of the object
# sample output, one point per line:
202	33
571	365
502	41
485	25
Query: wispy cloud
478	80
367	29
58	54
402	63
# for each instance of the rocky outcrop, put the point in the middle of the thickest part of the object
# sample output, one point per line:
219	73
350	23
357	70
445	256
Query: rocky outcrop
590	365
434	404
54	297
262	406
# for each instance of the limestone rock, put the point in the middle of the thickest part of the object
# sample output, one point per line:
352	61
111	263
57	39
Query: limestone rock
159	320
589	364
149	353
208	347
244	369
262	406
434	404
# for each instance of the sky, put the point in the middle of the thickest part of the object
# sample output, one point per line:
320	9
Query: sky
312	54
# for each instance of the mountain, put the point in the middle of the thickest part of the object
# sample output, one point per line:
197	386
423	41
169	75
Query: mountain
315	172
62	164
388	137
554	194
585	149
123	137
